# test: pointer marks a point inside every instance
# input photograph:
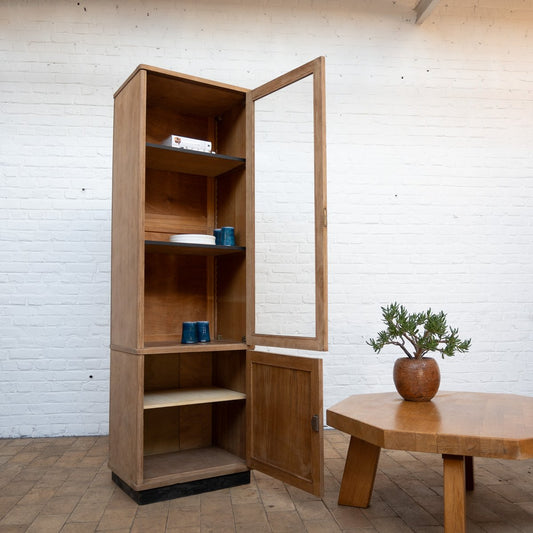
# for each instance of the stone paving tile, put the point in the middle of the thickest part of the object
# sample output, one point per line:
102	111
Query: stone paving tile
48	524
285	522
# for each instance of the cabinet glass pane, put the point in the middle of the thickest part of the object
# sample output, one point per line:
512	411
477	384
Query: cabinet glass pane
284	212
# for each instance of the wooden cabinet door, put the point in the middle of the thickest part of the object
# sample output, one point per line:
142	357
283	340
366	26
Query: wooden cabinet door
284	418
286	202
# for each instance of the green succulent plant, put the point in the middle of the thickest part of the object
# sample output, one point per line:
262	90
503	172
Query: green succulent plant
416	334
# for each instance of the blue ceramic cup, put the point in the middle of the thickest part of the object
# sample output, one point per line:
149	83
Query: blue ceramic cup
227	236
202	328
189	333
218	235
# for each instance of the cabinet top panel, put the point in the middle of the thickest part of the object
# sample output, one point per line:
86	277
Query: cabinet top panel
197	95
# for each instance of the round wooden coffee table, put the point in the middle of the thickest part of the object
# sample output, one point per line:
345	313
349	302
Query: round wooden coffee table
458	425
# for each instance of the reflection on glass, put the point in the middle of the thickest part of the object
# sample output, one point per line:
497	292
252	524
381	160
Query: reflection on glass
284	212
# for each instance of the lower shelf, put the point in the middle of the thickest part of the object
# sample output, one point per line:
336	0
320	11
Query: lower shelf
189	465
189	396
179	490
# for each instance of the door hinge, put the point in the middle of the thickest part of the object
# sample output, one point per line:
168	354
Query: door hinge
325	217
315	423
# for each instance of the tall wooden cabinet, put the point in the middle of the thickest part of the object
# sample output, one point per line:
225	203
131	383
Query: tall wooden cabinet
187	418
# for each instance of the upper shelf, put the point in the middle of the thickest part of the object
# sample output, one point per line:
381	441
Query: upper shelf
162	157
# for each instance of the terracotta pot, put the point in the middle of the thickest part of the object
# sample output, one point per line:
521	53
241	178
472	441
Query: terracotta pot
416	380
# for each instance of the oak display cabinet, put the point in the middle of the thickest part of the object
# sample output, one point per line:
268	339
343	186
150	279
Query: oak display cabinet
191	418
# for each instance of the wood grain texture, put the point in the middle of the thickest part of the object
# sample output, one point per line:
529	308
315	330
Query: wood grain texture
162	347
161	431
188	465
229	427
127	274
456	423
454	494
308	69
189	396
175	292
161	371
186	78
193	95
321	208
229	370
126	416
359	473
284	393
196	426
231	130
163	121
175	201
231	297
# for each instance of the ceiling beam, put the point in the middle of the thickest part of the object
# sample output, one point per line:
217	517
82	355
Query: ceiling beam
423	9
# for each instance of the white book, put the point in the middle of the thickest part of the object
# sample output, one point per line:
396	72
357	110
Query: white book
178	141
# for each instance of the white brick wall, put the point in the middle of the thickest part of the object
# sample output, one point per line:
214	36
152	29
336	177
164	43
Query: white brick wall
430	175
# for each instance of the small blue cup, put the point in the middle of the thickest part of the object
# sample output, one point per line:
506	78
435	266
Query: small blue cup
202	328
228	236
218	235
189	333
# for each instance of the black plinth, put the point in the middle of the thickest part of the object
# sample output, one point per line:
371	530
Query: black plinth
179	490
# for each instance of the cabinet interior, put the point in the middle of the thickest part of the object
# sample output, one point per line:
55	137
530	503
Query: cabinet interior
198	421
182	287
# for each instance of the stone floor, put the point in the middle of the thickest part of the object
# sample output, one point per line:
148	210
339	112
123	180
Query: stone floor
64	485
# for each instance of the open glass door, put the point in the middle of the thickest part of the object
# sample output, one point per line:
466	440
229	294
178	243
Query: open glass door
286	273
286	246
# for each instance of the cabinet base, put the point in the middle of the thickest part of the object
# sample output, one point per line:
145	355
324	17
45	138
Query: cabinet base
179	490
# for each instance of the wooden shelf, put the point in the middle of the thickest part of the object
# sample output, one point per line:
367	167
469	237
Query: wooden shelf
167	347
167	247
174	347
162	157
189	465
189	396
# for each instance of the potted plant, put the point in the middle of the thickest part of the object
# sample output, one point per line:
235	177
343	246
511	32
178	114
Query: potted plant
417	377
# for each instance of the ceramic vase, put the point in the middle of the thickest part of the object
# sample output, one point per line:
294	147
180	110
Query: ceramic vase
416	380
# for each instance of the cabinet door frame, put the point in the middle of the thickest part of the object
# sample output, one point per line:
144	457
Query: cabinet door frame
291	450
315	69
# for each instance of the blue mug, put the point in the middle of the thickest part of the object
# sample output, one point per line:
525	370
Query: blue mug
202	328
189	333
218	235
227	236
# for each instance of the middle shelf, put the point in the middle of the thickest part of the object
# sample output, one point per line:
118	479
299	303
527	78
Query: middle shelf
167	247
189	396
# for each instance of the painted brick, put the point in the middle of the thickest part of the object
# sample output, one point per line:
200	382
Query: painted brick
430	180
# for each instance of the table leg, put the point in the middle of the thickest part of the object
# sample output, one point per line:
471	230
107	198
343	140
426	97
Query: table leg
359	473
454	494
469	472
